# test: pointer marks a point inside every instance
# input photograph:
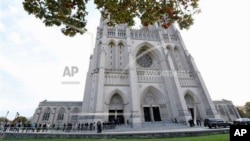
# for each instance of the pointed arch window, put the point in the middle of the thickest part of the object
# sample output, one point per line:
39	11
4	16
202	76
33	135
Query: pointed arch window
121	50
46	114
61	114
111	44
120	45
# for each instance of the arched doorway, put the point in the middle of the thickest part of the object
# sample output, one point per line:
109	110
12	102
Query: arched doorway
191	106
151	108
116	109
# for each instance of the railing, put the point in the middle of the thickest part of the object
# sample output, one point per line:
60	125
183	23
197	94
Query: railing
149	76
121	33
141	34
144	34
111	32
116	32
187	81
170	38
116	79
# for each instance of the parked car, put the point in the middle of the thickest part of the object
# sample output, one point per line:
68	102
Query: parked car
242	121
215	122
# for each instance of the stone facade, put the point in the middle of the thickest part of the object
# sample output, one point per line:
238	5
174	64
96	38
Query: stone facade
136	76
57	112
227	110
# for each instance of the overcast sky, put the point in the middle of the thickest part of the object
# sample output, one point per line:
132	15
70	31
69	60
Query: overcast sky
33	57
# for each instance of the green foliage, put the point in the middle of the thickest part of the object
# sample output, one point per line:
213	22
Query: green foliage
247	109
241	112
3	119
20	119
71	14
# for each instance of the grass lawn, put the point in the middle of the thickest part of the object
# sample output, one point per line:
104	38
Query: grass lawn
222	137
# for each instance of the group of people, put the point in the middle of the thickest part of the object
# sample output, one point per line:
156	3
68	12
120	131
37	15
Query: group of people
25	127
192	122
44	127
89	126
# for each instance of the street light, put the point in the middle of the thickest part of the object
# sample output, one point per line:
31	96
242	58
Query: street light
7	115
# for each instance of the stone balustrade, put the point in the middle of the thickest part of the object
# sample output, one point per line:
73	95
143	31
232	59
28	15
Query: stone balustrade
137	34
116	79
149	76
170	38
116	32
142	34
187	81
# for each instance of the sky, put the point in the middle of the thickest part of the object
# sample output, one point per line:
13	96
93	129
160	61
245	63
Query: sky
34	58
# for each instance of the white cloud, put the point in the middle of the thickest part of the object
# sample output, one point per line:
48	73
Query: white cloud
32	60
15	37
2	28
220	45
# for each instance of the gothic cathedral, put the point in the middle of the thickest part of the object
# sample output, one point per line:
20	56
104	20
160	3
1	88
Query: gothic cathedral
136	76
143	75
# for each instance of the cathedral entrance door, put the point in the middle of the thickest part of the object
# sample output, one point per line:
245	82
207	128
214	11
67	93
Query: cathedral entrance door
152	113
191	106
111	115
116	109
191	110
116	116
156	113
147	114
120	117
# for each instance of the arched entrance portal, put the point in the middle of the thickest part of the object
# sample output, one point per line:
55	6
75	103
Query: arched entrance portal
151	108
191	105
116	108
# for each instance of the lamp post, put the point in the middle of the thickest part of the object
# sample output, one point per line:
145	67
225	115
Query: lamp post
7	115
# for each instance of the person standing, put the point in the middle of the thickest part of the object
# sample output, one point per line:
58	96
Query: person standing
99	127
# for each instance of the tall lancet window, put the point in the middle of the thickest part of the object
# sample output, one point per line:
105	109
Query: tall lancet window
110	61
61	114
177	59
121	58
46	114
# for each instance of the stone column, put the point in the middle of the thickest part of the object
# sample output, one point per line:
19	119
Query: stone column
54	116
135	97
39	113
100	88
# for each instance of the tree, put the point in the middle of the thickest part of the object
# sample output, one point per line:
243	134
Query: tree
20	119
3	119
247	109
241	112
71	13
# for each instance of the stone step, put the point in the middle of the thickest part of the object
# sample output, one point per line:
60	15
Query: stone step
149	126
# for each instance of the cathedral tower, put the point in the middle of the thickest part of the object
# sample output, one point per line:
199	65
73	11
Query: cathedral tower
143	75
